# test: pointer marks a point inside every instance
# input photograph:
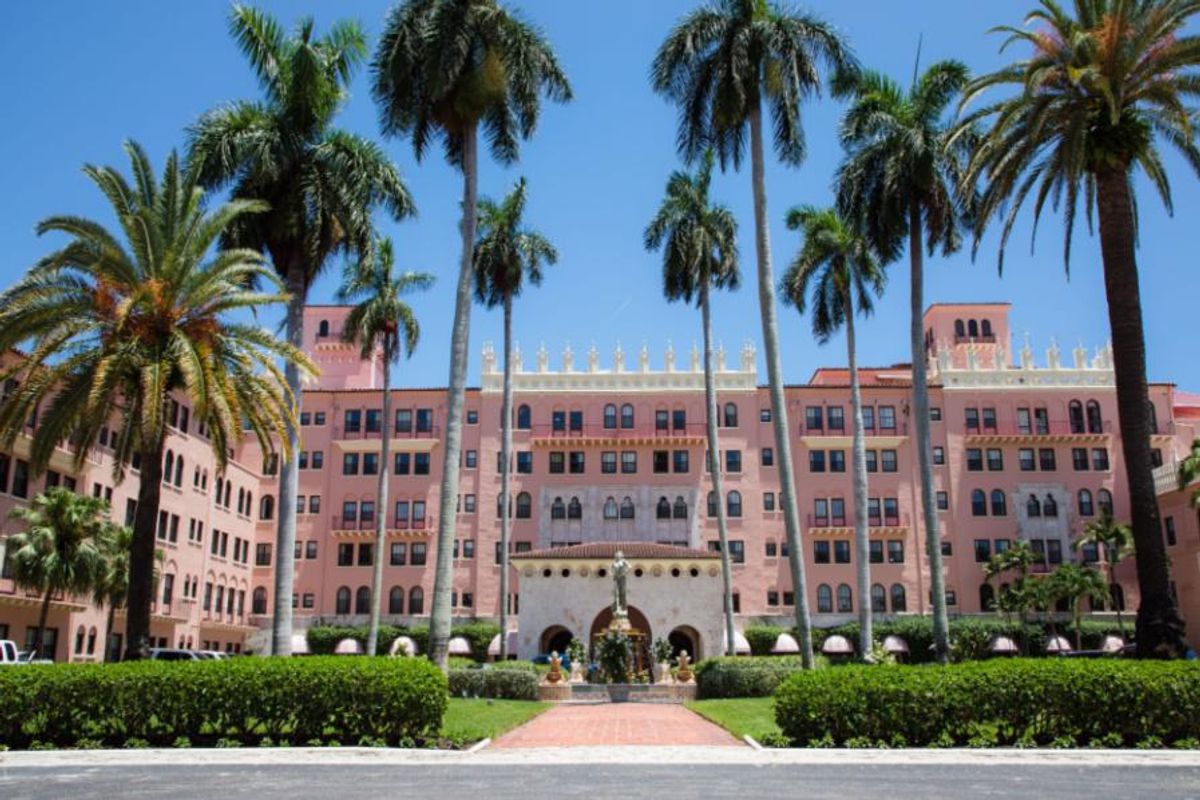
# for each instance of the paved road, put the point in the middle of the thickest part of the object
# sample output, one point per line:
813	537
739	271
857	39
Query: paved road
464	779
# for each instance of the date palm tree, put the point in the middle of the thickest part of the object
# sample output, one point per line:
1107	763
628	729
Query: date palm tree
323	184
699	243
1074	583
720	64
901	181
121	323
385	327
61	549
444	69
1114	542
838	268
506	255
1103	84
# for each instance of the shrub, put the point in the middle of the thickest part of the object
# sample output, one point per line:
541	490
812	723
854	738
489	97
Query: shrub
756	676
762	638
242	701
479	635
1024	702
506	683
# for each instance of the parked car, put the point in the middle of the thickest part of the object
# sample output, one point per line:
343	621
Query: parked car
212	655
9	653
174	654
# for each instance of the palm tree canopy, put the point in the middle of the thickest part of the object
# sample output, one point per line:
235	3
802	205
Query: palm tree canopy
61	549
507	252
443	66
322	184
726	57
700	238
900	152
836	265
118	321
1099	89
1113	539
1075	582
1189	471
380	317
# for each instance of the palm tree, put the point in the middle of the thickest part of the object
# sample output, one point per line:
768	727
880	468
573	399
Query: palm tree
1114	541
700	255
1074	583
322	184
838	267
900	180
60	551
1089	105
384	326
443	69
506	253
719	65
111	588
118	328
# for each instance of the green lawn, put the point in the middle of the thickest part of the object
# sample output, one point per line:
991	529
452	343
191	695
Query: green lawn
740	716
469	721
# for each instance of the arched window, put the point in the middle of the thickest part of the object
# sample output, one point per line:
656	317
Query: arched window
733	504
845	598
1050	507
524	506
574	509
258	602
663	509
824	599
610	416
91	640
627	415
627	509
960	330
986	328
362	600
241	500
168	466
266	507
323	328
610	508
416	601
249	503
523	417
343	600
973	329
1095	423
999	505
680	511
899	599
978	503
1086	509
731	415
179	470
1104	500
1032	507
558	509
1075	415
396	600
712	504
987	597
878	599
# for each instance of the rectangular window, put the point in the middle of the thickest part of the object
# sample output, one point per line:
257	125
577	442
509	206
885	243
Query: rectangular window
868	415
821	511
995	459
1079	459
820	552
662	462
972	419
421	464
418	554
469	504
1046	459
424	420
872	461
679	420
889	460
1100	459
764	415
353	420
524	462
1054	553
558	421
895	549
314	504
366	555
1025	459
768	501
841	552
874	515
837	511
939	456
608	462
401	513
875	548
836	418
837	460
767	457
262	555
891	511
887	418
679	461
399	554
816	460
983	550
558	462
814	419
974	459
370	464
943	501
403	463
350	463
576	420
772	550
576	462
318	418
1169	530
310	550
404	420
20	481
733	461
471	459
345	554
472	417
1041	421
374	421
628	462
989	419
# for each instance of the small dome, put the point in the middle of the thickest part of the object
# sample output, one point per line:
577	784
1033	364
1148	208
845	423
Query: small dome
837	646
494	647
348	647
403	646
1058	644
1003	646
785	644
459	647
299	644
1112	644
741	644
895	645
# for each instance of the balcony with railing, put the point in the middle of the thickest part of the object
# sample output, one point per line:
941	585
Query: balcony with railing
345	525
364	433
1041	429
686	433
845	522
900	429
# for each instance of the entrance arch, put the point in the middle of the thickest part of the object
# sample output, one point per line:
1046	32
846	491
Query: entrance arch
685	637
555	639
637	620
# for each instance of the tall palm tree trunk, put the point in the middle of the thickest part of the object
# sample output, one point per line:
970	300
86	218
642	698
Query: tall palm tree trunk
505	474
40	635
783	444
289	475
108	625
141	554
861	535
1159	631
1112	596
714	468
443	578
381	504
920	415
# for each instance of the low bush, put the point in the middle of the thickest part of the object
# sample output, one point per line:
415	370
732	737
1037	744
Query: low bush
762	638
210	703
1021	702
505	683
323	639
479	635
754	676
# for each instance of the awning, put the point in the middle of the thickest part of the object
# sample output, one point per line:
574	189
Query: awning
459	647
494	647
785	644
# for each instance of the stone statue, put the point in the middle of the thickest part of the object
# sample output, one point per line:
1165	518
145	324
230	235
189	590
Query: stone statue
555	675
620	572
684	673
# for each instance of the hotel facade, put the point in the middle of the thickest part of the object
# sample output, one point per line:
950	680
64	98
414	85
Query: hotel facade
611	456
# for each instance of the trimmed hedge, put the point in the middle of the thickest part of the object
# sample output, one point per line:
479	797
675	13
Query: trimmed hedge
741	676
762	638
323	639
1022	702
503	683
236	702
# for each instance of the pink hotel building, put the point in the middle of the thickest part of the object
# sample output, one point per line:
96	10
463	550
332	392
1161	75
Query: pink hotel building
1023	450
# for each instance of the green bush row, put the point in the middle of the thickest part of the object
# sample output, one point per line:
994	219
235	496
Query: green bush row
323	639
753	676
1021	702
240	702
504	683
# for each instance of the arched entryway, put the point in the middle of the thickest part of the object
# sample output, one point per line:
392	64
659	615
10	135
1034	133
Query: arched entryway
637	620
685	637
555	640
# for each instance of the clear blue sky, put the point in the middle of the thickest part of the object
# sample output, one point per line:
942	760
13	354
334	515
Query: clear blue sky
82	76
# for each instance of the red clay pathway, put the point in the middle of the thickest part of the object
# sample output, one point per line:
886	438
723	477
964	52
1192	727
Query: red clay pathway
608	724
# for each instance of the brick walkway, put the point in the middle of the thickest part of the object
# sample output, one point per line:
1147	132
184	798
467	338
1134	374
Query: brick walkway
603	724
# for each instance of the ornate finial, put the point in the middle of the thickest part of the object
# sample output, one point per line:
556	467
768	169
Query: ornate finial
669	357
618	359
543	358
972	357
568	358
943	357
695	358
644	358
516	358
1080	354
593	359
749	356
489	359
720	357
1026	354
1053	355
1001	357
